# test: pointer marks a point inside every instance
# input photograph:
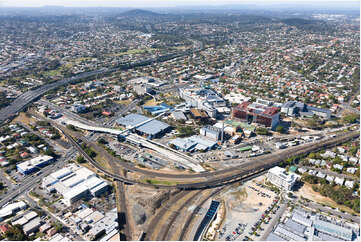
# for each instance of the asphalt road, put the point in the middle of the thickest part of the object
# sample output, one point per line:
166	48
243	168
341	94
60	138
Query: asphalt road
274	221
349	108
329	172
66	112
26	98
131	167
5	180
34	204
347	216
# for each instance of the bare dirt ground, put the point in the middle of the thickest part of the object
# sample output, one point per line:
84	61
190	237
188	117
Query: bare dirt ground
151	102
142	196
23	118
116	237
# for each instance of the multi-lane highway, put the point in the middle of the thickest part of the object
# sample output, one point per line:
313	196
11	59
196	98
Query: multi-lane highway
26	98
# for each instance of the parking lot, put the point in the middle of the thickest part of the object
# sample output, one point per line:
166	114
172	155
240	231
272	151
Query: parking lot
121	149
247	206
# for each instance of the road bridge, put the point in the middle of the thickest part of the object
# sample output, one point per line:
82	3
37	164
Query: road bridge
136	139
230	175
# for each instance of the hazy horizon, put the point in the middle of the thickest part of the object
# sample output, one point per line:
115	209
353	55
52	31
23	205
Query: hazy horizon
174	3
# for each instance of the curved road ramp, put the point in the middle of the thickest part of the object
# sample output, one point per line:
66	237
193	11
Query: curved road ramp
185	160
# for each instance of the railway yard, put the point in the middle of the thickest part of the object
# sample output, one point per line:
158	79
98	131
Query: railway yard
184	196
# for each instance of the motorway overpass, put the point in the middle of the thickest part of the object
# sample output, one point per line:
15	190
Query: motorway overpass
229	175
177	156
28	97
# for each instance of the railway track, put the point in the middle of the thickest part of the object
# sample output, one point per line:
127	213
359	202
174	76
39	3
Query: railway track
123	216
221	177
195	211
123	213
155	222
164	233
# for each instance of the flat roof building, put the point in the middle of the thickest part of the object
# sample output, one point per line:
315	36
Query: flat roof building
153	128
212	132
203	98
259	113
11	209
29	166
294	108
178	115
32	226
193	143
279	177
274	237
333	229
74	182
158	109
285	233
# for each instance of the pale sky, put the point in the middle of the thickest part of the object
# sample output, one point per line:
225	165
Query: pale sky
148	3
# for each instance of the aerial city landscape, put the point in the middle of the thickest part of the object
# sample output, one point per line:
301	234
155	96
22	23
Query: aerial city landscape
180	123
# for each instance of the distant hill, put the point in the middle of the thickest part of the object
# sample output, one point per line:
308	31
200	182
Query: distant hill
319	26
140	12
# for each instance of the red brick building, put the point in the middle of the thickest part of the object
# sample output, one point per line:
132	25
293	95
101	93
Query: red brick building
257	113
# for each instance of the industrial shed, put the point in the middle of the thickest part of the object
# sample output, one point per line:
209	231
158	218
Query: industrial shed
152	129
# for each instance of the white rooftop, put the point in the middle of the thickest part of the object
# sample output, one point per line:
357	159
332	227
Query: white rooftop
281	172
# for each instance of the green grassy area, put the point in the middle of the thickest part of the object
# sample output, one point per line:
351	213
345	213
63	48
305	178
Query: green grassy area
58	71
160	182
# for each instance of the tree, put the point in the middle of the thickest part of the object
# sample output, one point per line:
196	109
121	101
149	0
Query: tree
58	227
185	131
312	155
80	159
350	118
280	129
102	141
71	127
262	131
353	150
309	178
50	152
15	233
90	152
356	205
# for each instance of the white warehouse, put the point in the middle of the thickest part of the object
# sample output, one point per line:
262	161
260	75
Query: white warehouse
74	182
279	177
